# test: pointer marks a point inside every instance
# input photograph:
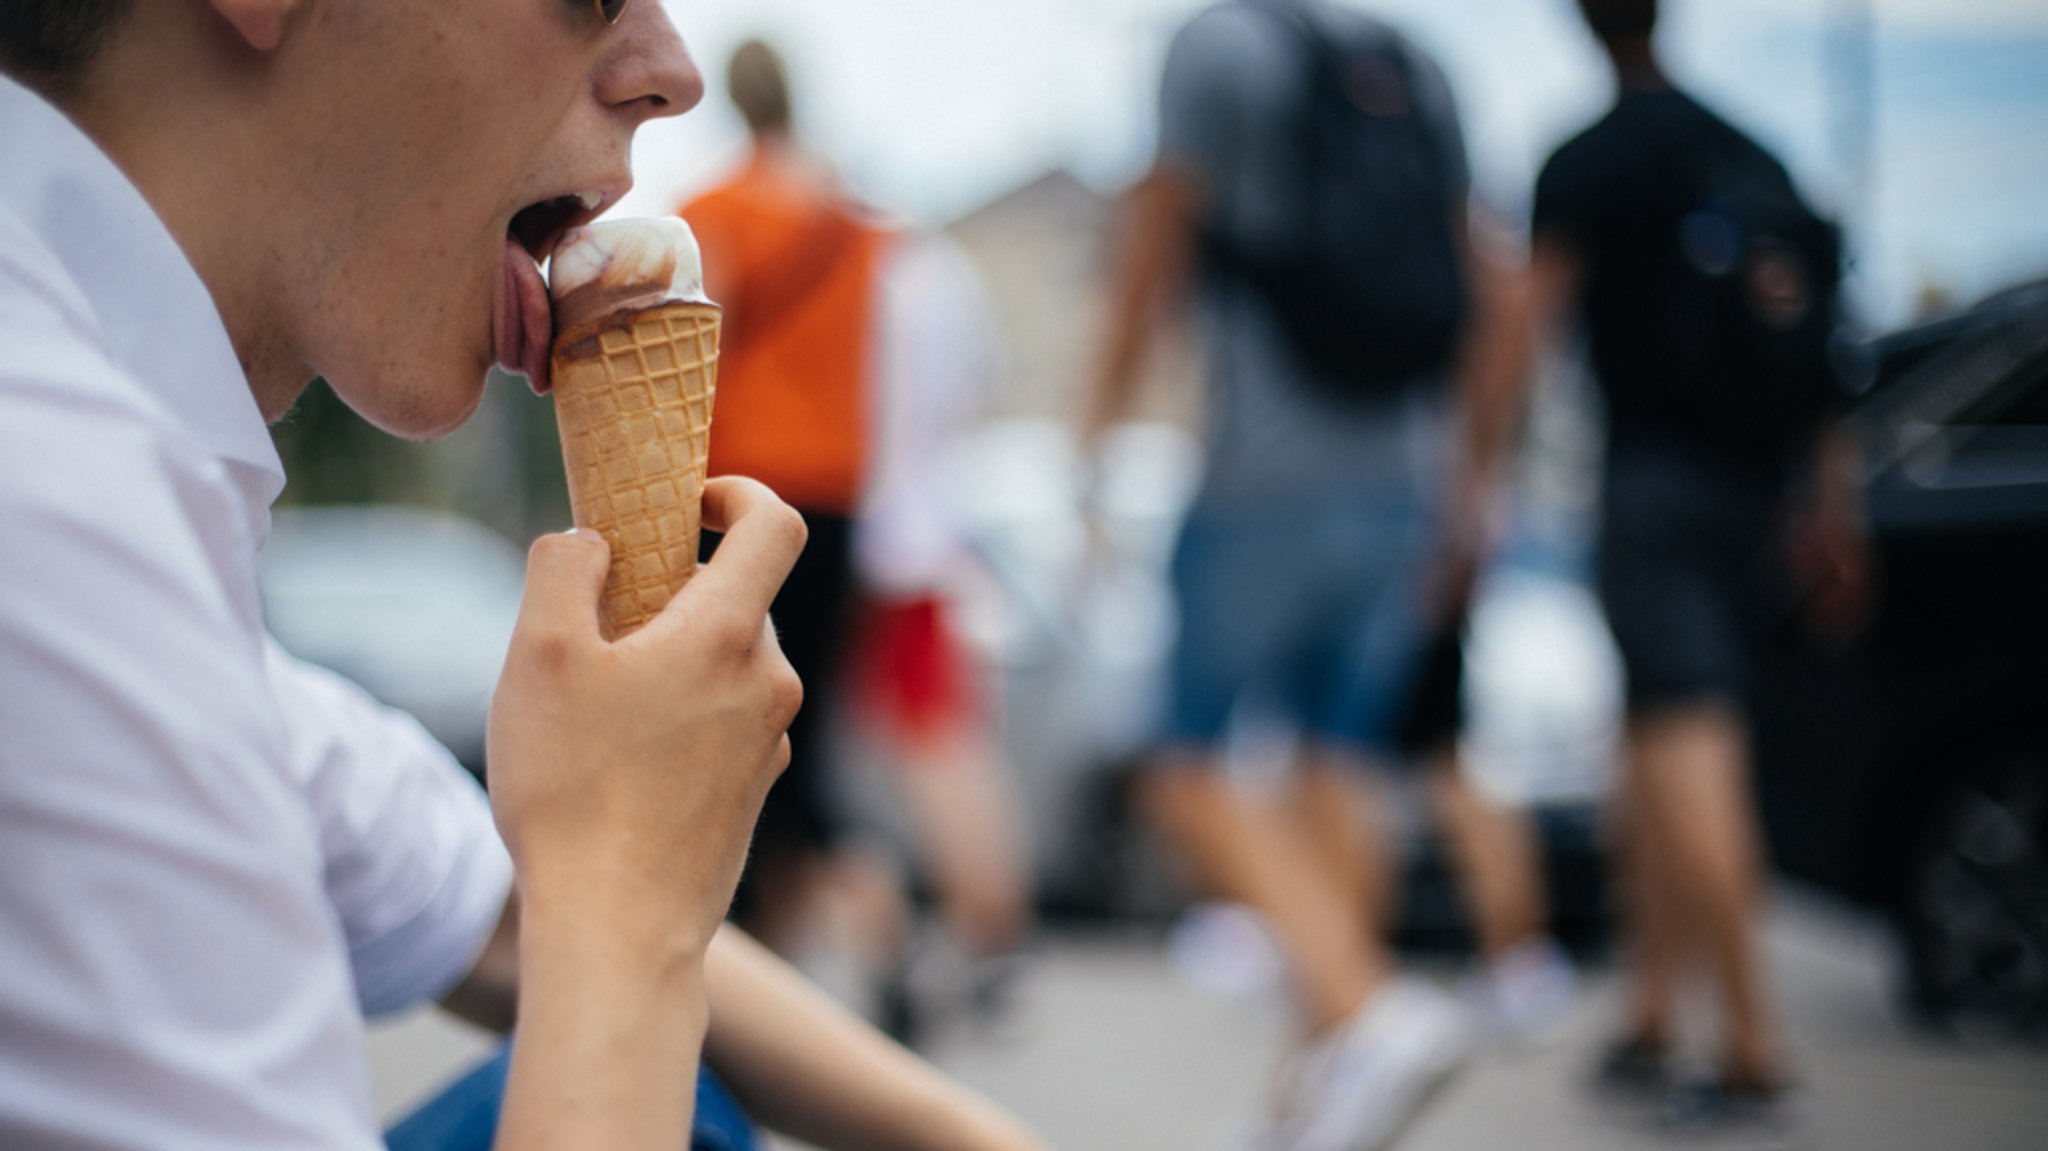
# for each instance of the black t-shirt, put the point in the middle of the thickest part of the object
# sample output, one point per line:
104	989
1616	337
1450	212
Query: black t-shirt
1618	194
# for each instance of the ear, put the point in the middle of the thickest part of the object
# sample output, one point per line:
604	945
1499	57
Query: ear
260	23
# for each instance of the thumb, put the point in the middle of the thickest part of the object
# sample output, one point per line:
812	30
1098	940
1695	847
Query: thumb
564	581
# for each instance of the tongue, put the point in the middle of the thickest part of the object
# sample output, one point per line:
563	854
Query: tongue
525	319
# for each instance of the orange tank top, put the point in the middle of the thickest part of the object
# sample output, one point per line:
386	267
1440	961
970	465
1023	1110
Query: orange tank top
796	273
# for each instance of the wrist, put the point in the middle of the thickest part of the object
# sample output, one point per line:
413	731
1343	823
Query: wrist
594	922
612	1020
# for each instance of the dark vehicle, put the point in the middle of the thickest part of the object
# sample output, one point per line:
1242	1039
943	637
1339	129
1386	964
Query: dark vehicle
1909	771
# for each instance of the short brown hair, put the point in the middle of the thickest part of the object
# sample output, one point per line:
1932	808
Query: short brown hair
759	87
51	41
1620	19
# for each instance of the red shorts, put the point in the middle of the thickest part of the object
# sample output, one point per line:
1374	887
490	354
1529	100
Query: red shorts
912	678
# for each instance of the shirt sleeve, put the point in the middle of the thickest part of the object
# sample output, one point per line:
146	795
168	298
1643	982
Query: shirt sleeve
413	862
171	975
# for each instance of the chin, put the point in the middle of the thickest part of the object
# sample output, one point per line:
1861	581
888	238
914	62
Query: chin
424	408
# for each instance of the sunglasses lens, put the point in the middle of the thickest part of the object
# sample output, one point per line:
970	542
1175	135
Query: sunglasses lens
611	10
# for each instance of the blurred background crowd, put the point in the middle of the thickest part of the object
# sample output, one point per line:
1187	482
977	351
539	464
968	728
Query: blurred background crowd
941	232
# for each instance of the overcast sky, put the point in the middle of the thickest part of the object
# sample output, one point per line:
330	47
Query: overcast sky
931	107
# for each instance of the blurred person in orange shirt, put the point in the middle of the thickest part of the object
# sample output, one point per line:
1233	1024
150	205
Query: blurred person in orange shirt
794	262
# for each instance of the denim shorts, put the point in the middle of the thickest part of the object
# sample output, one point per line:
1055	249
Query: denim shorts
1308	609
464	1116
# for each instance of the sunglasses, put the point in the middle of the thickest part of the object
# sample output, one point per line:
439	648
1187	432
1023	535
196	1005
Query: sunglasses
611	10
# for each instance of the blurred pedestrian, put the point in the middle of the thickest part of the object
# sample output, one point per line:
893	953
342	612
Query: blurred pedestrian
1524	983
1311	178
919	686
795	263
1707	289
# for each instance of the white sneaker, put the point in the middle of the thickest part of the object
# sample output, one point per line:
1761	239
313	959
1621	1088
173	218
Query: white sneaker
1226	950
1357	1089
1524	996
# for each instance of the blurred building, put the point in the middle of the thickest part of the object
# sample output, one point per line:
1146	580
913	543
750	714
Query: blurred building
1045	249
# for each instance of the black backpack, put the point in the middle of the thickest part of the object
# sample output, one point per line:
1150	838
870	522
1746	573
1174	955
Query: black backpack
1759	288
1370	287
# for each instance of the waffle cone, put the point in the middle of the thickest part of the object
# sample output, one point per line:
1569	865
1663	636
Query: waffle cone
633	401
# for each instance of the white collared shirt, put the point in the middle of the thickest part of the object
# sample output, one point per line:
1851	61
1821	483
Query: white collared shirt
213	859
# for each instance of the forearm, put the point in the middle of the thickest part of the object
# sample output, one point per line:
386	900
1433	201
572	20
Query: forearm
1520	313
625	778
1835	556
1838	474
1151	266
1493	367
611	1025
1491	370
803	1065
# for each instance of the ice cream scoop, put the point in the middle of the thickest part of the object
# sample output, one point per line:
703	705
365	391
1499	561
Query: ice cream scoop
635	367
603	268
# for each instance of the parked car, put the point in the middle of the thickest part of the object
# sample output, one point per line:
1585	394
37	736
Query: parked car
1909	770
417	606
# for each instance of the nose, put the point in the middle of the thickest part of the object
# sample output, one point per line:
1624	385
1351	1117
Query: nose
650	73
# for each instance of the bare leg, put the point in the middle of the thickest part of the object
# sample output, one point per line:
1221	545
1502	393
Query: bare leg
1650	918
1495	852
966	821
1244	851
1691	769
865	907
1341	819
839	915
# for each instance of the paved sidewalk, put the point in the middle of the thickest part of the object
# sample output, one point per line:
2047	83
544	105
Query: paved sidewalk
1869	1084
1107	1048
1111	1050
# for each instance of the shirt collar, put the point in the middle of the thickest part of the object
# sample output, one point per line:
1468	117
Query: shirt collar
158	318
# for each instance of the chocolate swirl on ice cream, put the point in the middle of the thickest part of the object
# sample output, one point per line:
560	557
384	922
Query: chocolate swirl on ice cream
602	270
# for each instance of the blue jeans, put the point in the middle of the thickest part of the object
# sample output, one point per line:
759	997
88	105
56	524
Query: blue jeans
465	1116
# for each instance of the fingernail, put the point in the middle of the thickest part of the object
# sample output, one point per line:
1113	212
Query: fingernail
584	533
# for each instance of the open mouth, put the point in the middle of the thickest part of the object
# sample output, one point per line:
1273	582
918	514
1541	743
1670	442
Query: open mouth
525	316
539	226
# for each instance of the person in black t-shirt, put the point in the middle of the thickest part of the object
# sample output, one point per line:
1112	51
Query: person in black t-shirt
1700	456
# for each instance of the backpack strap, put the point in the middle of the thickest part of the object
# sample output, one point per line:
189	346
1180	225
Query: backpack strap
1327	60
